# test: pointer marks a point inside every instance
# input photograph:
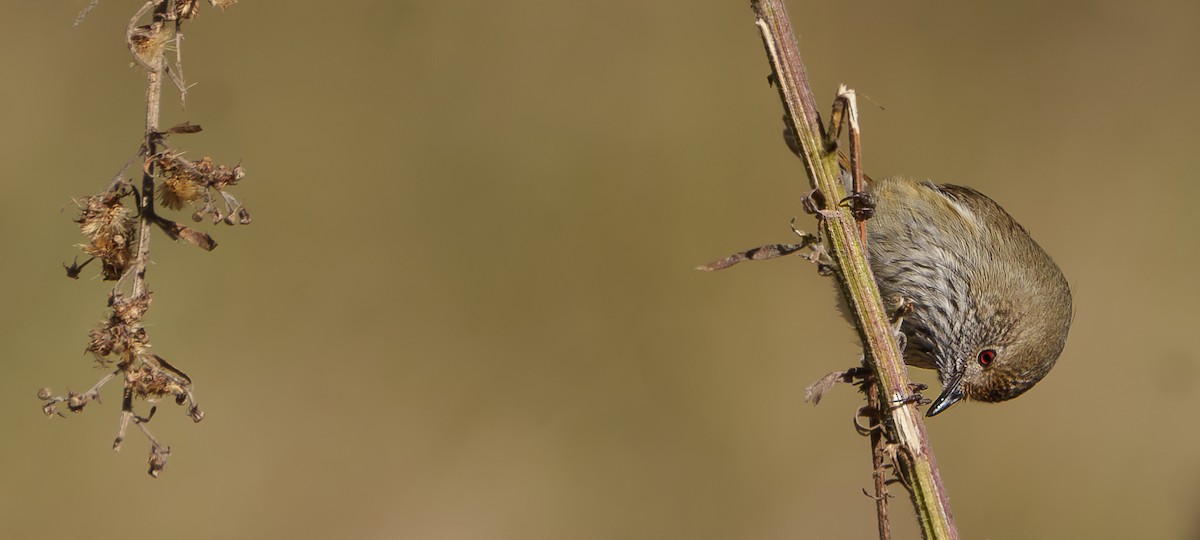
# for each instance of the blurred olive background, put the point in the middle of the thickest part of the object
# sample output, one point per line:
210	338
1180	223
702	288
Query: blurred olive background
466	307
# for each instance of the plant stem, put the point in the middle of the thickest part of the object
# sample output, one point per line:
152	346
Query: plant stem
878	452
146	204
914	459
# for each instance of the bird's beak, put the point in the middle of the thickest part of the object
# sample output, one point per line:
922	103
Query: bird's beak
951	394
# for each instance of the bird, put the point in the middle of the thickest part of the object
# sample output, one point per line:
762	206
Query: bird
990	309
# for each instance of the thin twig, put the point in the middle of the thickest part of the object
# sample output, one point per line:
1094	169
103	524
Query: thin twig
177	72
146	204
915	460
83	14
877	466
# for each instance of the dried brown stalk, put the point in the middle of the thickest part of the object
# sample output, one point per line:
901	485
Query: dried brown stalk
120	341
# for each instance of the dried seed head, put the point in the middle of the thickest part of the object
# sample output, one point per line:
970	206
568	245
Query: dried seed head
76	401
121	335
168	163
230	176
130	310
109	227
186	9
147	382
202	172
147	43
188	182
101	220
178	191
102	342
158	459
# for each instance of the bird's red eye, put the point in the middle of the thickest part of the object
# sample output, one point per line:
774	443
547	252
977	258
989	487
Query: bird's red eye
986	356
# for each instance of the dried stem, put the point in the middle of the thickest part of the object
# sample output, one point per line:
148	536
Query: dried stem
146	203
914	459
878	454
120	239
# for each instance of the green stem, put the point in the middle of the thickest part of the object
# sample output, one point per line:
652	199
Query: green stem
914	459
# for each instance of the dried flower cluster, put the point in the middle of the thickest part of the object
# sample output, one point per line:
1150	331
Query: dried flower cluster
109	228
148	42
188	182
120	338
117	222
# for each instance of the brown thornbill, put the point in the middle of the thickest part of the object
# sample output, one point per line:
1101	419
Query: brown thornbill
990	309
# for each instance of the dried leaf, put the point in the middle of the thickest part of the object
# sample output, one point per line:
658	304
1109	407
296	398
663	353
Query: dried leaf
158	459
162	363
178	231
201	239
761	253
75	267
817	389
186	127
